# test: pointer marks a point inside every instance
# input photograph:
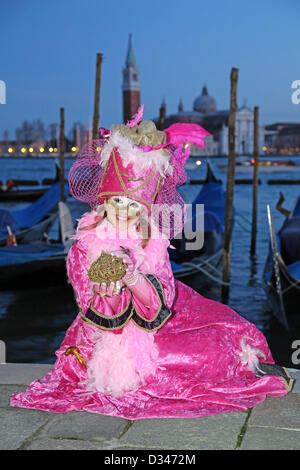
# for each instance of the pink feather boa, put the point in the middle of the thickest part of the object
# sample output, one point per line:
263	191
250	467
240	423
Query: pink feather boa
121	363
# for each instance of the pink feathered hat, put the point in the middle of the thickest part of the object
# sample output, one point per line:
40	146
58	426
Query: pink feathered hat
135	160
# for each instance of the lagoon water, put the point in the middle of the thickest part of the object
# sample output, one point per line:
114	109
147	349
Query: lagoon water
33	320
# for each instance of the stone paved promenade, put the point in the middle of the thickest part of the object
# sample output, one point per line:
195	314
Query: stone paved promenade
273	424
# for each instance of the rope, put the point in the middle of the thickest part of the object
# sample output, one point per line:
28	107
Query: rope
206	262
292	284
243	217
244	228
211	276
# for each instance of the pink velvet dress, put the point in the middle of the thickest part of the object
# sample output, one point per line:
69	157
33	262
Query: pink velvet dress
181	356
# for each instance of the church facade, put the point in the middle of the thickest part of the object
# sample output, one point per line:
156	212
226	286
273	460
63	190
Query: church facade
206	114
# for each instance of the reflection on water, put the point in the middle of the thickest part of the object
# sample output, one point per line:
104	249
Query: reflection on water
33	322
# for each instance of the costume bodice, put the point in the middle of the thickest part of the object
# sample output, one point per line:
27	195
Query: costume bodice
154	265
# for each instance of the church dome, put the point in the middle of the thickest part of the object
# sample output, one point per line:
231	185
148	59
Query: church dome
204	103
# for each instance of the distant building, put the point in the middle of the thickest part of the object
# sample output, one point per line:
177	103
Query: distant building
32	139
53	132
205	113
131	85
77	134
282	137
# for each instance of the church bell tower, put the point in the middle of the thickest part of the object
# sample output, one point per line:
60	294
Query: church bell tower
131	85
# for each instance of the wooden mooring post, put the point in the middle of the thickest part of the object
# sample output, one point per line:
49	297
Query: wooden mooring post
230	182
162	116
255	182
97	97
61	154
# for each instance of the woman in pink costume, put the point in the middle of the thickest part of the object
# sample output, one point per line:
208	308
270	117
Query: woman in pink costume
146	345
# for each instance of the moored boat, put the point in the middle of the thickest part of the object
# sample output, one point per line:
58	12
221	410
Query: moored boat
265	166
281	276
38	261
203	266
30	223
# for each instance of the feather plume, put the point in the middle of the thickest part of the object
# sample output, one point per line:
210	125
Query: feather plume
130	153
181	133
249	356
137	117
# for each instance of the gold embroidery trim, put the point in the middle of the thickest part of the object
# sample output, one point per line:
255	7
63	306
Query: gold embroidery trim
289	384
111	317
157	188
158	310
153	329
87	320
130	191
160	303
104	172
133	309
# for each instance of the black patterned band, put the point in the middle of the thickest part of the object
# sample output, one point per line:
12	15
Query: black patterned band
105	322
162	313
116	322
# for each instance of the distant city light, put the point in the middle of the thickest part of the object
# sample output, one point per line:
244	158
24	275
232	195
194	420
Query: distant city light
30	149
10	150
23	150
264	148
51	149
198	162
42	149
98	149
74	149
55	149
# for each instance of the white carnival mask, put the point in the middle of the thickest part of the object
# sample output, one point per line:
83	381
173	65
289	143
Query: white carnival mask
122	203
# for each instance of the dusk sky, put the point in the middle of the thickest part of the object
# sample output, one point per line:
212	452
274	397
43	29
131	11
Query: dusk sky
48	56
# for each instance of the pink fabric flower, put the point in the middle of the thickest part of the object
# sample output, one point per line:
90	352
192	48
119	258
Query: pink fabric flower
249	355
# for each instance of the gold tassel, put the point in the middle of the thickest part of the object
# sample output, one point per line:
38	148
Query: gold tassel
75	351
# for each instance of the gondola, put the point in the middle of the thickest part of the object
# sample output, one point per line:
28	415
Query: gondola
281	275
38	261
30	223
245	165
20	195
28	194
199	267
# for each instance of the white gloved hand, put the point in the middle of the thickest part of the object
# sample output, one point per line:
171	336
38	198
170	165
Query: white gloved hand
108	290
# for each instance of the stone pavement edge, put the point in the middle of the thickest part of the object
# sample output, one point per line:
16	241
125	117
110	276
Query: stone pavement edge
273	424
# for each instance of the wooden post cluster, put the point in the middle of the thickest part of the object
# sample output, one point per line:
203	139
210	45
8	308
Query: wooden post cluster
162	116
255	182
61	154
97	97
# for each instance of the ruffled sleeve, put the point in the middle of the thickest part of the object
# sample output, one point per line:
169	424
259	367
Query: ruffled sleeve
160	267
77	269
160	287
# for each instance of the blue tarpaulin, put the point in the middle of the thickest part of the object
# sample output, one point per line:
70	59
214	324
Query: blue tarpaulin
13	255
31	215
296	211
6	219
290	240
213	196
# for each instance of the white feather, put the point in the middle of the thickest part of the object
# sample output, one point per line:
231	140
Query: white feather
131	154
